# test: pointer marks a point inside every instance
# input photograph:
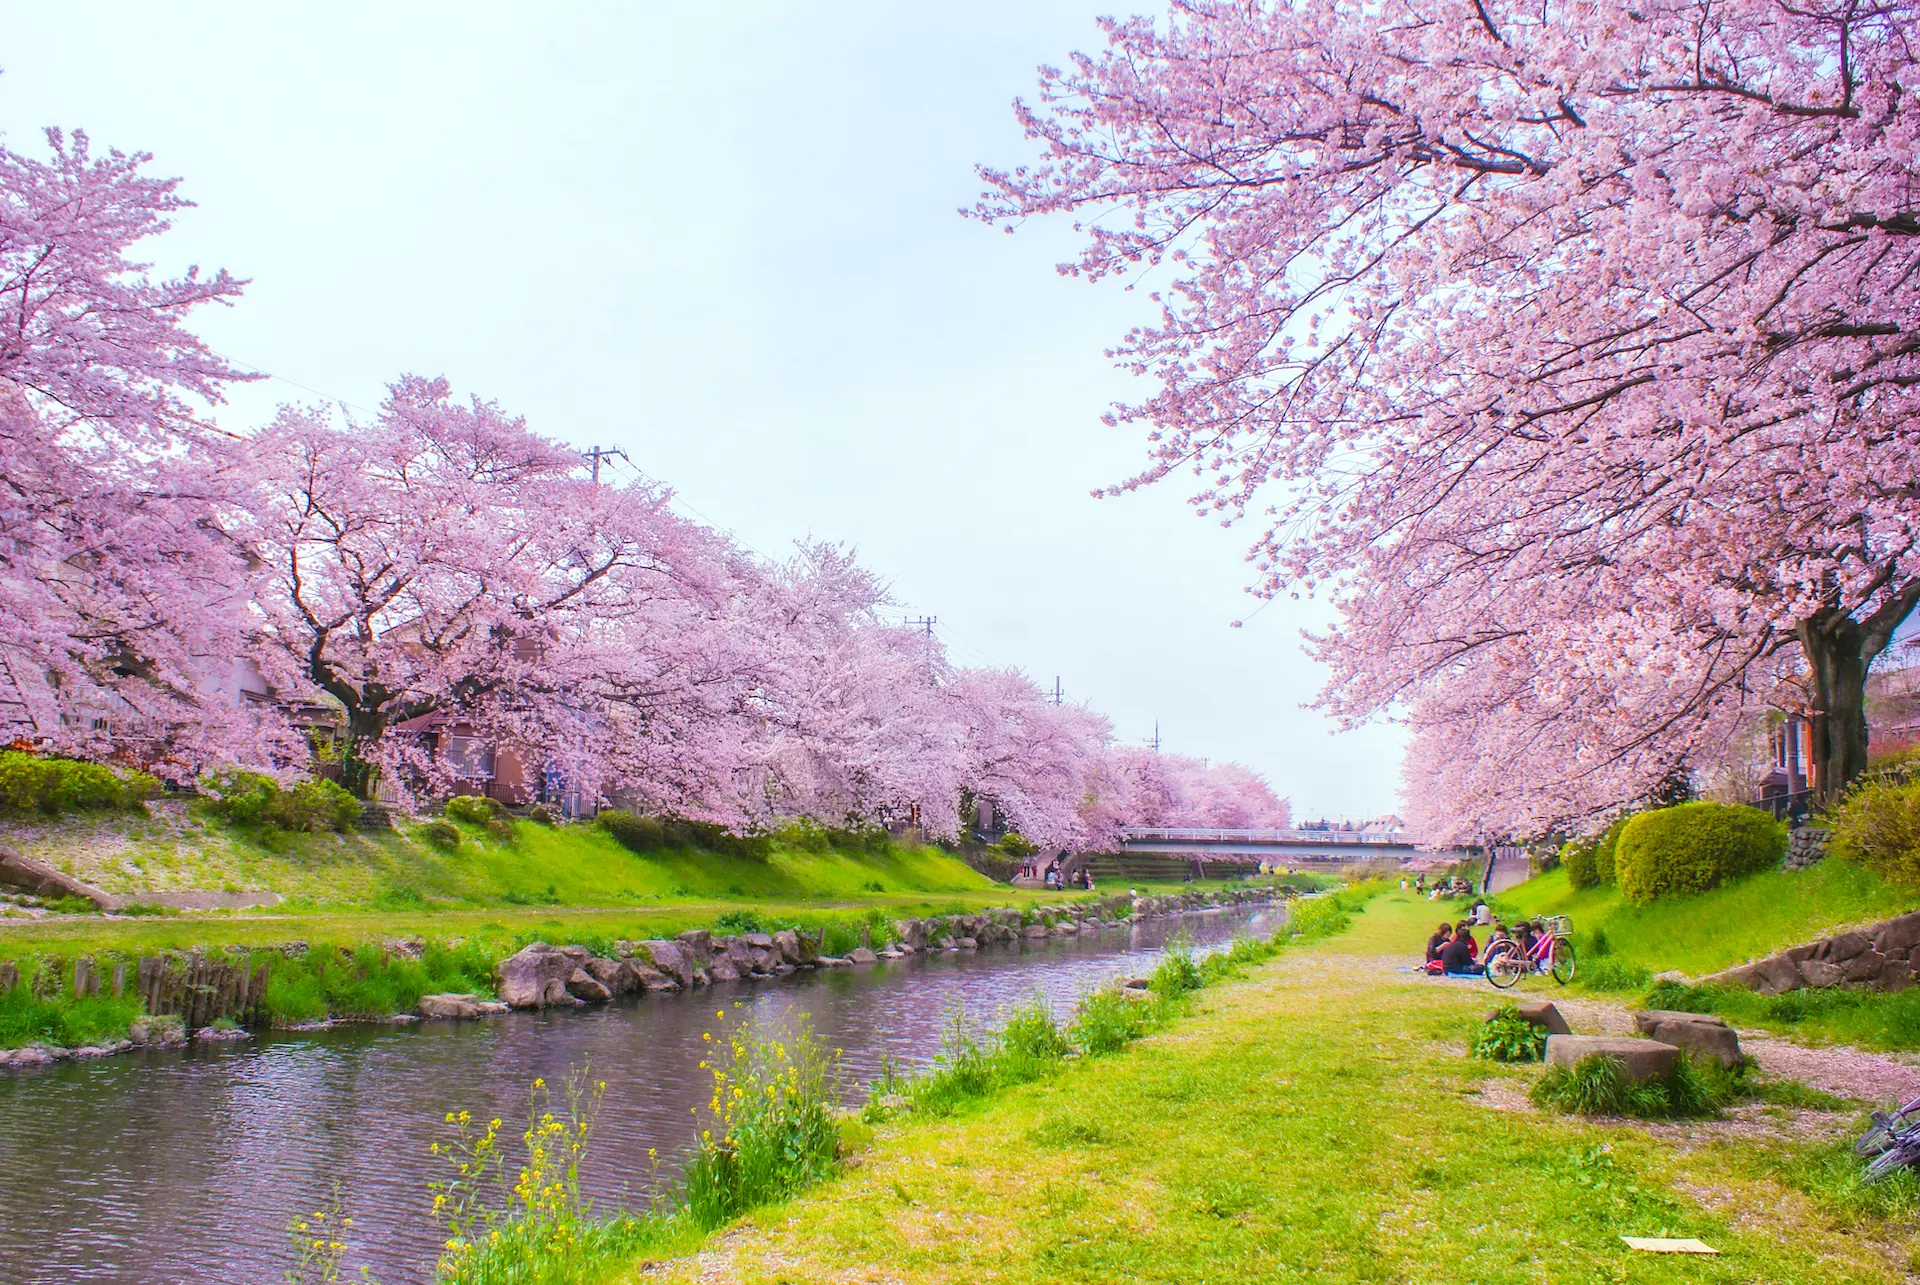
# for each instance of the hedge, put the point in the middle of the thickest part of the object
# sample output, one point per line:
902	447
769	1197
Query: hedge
1693	847
30	784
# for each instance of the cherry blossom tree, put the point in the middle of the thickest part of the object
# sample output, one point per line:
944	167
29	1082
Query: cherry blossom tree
120	623
1590	316
445	560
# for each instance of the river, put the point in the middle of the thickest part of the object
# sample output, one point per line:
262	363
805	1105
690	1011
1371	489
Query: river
185	1165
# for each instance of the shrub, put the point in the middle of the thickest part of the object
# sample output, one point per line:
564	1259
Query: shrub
1031	1043
252	799
443	835
1597	1086
1693	847
1606	853
1176	973
1316	917
634	833
1577	857
30	784
478	810
1505	1036
1878	825
742	921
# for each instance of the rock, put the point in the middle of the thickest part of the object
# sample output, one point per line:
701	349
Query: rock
891	953
534	977
723	969
784	969
32	1055
1700	1034
1821	974
699	943
449	1007
669	958
1847	946
1135	984
583	986
647	977
401	1019
861	955
1901	934
1034	932
1641	1061
1647	1019
967	943
492	1008
1776	975
833	961
1868	966
912	931
1544	1014
215	1035
809	947
614	974
1064	928
787	943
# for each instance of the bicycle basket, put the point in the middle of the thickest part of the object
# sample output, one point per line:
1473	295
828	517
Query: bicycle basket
1559	925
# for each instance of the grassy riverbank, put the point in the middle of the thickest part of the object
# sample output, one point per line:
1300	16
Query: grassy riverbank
1316	1122
1622	946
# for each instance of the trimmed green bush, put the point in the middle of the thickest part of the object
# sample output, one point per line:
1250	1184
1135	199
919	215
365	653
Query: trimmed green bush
1878	825
1606	853
1577	857
441	834
634	833
478	810
1694	847
30	784
253	799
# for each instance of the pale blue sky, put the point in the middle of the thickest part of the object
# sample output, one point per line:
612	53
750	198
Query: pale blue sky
724	239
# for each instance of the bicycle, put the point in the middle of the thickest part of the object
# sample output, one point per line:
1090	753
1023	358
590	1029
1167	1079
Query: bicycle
1552	952
1892	1142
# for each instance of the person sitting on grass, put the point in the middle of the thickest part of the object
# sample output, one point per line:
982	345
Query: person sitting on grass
1458	956
1438	940
1465	929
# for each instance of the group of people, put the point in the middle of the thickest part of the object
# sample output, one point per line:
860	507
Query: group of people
1453	951
1052	878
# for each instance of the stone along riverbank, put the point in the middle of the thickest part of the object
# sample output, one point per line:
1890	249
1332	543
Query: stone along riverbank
182	1164
178	997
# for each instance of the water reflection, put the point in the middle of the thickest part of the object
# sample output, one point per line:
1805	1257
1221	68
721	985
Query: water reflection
184	1166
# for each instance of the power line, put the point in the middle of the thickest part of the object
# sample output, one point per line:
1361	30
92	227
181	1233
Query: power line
596	455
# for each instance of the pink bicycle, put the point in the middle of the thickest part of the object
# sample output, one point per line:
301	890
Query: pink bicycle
1552	952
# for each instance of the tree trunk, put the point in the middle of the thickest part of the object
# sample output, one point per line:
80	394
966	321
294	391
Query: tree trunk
356	773
1838	650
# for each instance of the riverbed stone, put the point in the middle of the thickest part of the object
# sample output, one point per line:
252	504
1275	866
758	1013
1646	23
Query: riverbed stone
158	1029
1641	1061
723	969
1034	932
535	976
586	988
787	943
612	974
668	957
913	931
699	943
861	955
449	1007
966	943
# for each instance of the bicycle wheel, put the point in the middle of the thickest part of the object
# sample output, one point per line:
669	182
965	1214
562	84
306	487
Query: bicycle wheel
1900	1156
1881	1135
1504	965
1563	960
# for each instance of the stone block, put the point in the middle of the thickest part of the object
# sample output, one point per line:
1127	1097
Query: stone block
1701	1034
1866	967
1821	974
1776	974
1898	934
1641	1061
1846	946
1542	1013
449	1007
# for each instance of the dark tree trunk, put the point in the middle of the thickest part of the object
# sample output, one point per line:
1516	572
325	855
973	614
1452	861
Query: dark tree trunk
1834	643
1839	651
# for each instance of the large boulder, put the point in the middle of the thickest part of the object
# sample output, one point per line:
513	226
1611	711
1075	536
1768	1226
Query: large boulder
699	944
583	986
647	977
535	977
669	958
786	943
912	931
723	969
449	1007
614	974
1641	1061
1701	1034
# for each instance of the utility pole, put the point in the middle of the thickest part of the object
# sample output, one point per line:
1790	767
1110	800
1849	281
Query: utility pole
1057	693
1156	736
927	623
596	455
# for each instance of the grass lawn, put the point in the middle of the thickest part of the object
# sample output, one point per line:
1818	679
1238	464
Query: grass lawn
1316	1122
1729	925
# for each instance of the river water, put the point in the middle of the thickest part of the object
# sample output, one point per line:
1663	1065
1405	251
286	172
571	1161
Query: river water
185	1165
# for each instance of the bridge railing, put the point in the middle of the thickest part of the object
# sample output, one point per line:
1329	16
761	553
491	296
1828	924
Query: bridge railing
1150	835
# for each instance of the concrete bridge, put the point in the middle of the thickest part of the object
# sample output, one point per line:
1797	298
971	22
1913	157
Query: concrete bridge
1288	847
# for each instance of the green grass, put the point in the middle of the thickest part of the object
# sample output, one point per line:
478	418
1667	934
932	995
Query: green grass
1320	1122
1623	946
1730	925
